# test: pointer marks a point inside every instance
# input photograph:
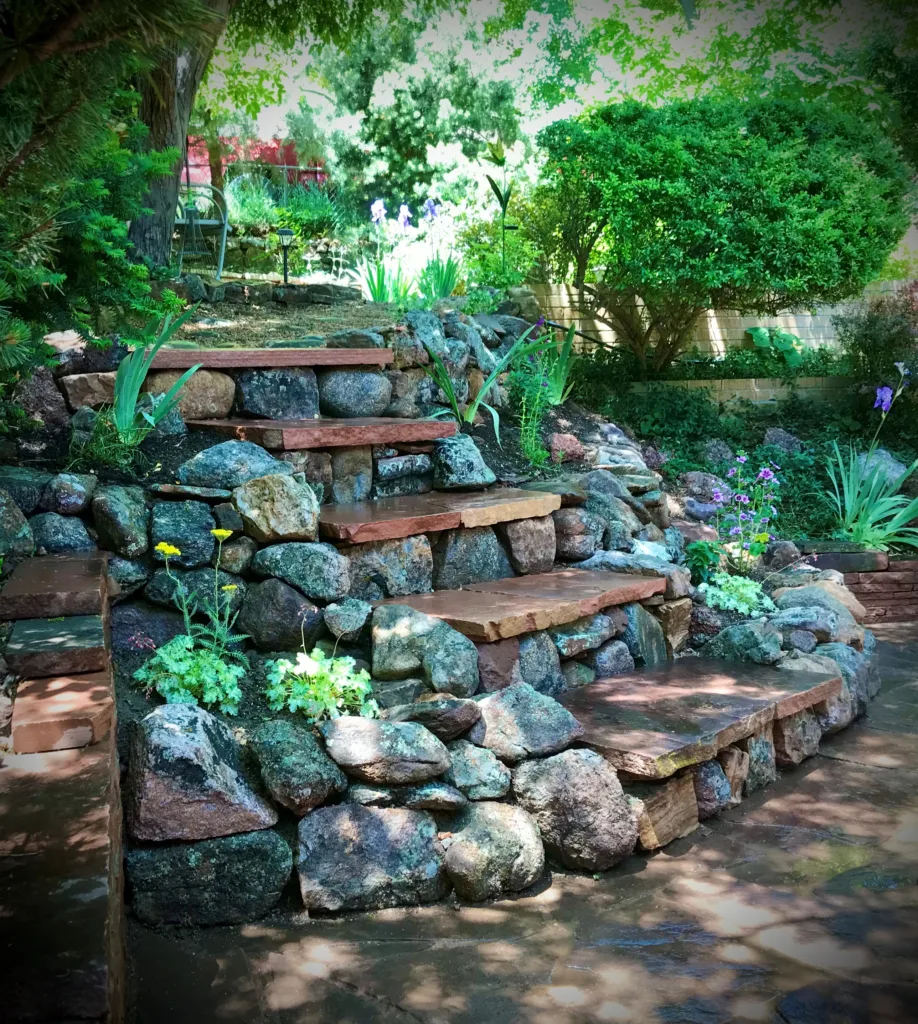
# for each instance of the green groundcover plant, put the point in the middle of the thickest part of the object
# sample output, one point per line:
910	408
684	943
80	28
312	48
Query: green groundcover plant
736	594
320	686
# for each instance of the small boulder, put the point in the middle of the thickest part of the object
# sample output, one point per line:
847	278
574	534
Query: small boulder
577	673
446	717
391	568
198	585
855	671
611	659
530	543
494	849
120	516
761	750
499	664
582	635
821	622
354	393
822	593
391	753
458	464
207	395
677	577
712	788
318	570
290	393
352	857
130	575
578	533
801	640
437	797
187	780
229	880
58	534
519	722
68	494
277	508
236	555
476	772
796	738
540	663
16	540
278	618
40	399
345	619
229	465
776	437
25	486
746	641
566	448
644	636
298	773
580	808
782	554
186	525
407	642
352	474
465	556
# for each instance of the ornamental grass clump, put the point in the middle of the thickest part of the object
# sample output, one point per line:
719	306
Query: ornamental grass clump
204	664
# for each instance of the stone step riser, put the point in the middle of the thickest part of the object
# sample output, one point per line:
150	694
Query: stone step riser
295	435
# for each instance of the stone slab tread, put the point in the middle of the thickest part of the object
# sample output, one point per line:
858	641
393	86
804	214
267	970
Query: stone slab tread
392	518
486	612
62	712
52	585
654	722
42	648
293	435
268	358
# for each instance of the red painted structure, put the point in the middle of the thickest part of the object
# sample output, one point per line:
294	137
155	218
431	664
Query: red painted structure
273	152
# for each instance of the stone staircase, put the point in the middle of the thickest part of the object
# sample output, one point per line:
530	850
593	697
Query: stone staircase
61	905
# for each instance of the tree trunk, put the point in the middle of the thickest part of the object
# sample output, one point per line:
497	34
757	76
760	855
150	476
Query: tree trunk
167	98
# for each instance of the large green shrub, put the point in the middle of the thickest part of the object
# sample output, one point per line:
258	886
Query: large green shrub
880	334
763	206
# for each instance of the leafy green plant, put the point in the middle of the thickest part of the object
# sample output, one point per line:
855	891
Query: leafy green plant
881	333
558	362
788	346
438	279
736	594
383	280
528	390
744	517
320	687
438	373
312	211
250	203
493	259
702	557
183	672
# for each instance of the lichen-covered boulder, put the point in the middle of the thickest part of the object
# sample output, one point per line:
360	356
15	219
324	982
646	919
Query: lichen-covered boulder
458	465
352	857
187	526
290	393
187	779
228	880
229	465
445	716
390	753
352	474
16	540
131	575
345	619
518	722
747	641
677	577
761	750
354	393
408	643
540	663
58	534
236	555
848	631
821	622
582	635
391	568
437	797
530	543
796	738
578	533
465	556
277	508
68	494
25	486
712	788
120	516
611	659
476	772
278	617
318	570
580	808
298	773
838	711
494	849
644	636
855	670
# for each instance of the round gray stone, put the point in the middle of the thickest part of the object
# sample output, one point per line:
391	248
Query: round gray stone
297	771
185	525
476	772
458	465
57	534
230	464
318	570
279	618
354	393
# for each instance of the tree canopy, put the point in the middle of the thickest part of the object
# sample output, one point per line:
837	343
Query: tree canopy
761	207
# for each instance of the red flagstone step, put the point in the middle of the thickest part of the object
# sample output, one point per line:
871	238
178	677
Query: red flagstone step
61	917
651	724
506	608
41	648
268	358
62	712
292	435
390	518
54	585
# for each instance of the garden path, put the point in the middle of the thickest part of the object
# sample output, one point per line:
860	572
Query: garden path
802	899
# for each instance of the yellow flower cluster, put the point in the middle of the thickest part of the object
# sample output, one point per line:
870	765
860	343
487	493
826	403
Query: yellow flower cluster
167	550
222	535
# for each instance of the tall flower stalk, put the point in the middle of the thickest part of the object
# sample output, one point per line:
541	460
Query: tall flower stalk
745	515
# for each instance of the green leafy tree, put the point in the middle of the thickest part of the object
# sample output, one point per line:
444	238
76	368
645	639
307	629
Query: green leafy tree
760	207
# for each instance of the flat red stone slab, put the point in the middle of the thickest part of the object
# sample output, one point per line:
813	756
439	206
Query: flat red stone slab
506	608
651	724
391	518
62	713
41	648
592	590
292	435
61	917
53	585
268	358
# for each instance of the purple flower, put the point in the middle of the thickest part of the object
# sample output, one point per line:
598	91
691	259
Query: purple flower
404	216
766	474
744	517
774	511
539	323
717	496
378	212
741	458
732	472
735	532
764	521
741	499
431	210
746	546
884	399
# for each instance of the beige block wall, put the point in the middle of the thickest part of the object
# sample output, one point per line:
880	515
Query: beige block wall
717	330
762	389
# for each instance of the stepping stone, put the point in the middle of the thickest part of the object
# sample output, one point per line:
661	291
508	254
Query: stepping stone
653	723
62	712
523	604
54	585
39	648
294	435
270	358
393	518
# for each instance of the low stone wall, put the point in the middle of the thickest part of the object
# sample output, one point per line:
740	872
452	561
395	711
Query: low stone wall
888	592
762	389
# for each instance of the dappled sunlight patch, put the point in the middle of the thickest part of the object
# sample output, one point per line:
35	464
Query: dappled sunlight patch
809	943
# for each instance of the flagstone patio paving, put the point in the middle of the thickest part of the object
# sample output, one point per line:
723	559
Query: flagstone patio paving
800	903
